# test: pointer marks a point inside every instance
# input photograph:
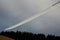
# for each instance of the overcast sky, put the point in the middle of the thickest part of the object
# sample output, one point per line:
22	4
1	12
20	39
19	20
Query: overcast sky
15	11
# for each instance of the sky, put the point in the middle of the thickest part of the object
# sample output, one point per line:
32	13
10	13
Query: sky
15	11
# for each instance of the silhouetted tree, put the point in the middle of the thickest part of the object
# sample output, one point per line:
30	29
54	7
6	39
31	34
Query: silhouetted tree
28	36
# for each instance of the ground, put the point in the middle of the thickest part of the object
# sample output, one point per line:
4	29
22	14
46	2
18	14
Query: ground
5	38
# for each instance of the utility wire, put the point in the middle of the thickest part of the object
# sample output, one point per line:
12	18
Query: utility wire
31	18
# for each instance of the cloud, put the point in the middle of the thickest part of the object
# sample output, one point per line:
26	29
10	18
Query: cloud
14	11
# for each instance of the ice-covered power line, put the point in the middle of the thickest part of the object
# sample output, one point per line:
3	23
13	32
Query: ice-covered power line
31	18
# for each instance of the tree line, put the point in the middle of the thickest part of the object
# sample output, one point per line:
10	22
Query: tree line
28	36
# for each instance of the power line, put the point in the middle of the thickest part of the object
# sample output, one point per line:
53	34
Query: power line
31	18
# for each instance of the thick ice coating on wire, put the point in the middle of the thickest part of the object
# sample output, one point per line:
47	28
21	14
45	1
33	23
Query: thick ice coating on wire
31	18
